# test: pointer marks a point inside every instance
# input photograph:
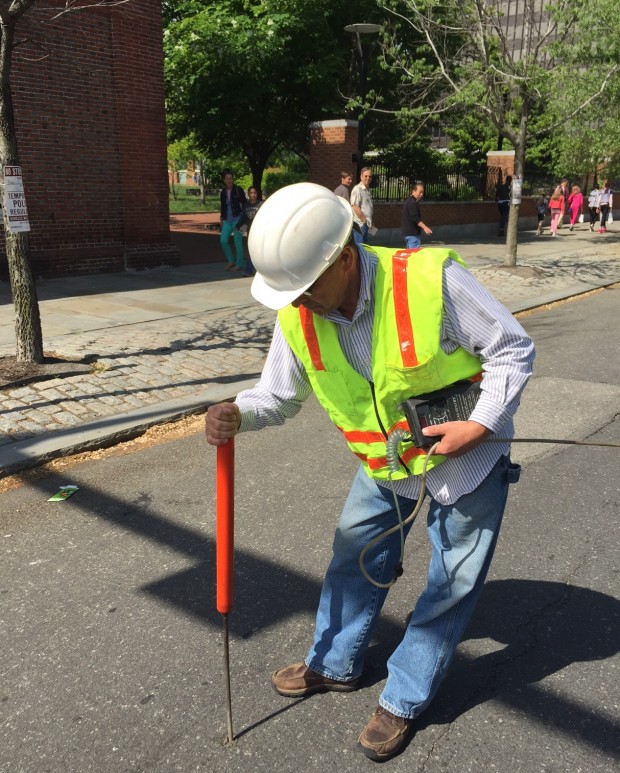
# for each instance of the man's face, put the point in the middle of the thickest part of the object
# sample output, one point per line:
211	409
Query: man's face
418	192
326	294
348	181
366	178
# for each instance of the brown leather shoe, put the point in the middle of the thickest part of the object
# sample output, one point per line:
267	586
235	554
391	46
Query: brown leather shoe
384	735
298	680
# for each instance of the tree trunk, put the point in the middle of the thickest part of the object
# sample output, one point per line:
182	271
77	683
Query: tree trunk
28	333
257	167
201	184
510	256
258	155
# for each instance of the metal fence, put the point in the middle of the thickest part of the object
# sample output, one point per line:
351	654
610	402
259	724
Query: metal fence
459	182
454	183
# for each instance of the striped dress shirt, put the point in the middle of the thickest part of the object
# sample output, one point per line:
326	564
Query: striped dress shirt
472	319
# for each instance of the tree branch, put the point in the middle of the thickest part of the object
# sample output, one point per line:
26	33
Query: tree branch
580	107
72	6
17	8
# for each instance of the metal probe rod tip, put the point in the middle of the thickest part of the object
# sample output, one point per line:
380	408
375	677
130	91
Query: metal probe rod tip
230	738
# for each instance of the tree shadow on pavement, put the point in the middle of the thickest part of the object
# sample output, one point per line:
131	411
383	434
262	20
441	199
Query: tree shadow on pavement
544	626
550	626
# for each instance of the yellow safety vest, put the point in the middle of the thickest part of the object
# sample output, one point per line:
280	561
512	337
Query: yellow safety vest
407	358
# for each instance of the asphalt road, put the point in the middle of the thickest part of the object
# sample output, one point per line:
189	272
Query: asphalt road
112	649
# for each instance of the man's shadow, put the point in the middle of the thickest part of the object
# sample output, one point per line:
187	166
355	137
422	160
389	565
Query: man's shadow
544	627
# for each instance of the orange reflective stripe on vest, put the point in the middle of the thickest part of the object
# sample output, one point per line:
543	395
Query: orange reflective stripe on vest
378	462
357	436
312	340
404	327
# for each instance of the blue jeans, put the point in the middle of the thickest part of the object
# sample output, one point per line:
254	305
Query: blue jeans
360	238
413	242
504	212
462	537
228	228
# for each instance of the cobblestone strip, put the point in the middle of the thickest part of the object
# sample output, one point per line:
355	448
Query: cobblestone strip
157	362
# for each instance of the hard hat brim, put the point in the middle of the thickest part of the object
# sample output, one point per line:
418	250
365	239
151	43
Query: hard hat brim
274	299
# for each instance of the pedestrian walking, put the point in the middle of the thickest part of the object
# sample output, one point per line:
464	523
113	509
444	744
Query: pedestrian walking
564	187
575	205
541	210
251	207
232	201
556	207
344	189
411	219
502	197
592	206
604	204
363	206
366	328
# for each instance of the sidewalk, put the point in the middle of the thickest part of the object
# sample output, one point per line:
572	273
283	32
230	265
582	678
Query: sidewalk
168	342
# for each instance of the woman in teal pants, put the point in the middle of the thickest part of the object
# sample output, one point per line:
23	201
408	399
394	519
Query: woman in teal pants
232	201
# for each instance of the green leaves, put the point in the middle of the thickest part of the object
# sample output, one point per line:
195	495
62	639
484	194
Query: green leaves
463	58
251	74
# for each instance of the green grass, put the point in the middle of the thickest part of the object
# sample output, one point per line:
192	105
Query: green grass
184	203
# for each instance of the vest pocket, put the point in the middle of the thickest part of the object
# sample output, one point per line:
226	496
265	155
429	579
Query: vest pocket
333	392
402	383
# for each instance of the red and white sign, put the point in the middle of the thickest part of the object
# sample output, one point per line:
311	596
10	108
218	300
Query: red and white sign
14	201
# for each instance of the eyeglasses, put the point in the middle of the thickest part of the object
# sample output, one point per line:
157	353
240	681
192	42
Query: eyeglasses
309	291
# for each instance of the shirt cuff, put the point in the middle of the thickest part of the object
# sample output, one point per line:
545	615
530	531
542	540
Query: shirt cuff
490	413
248	415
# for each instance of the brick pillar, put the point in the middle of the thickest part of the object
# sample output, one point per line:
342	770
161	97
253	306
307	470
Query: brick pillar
502	160
332	147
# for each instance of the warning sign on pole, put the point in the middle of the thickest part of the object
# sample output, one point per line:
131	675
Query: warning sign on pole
517	188
14	201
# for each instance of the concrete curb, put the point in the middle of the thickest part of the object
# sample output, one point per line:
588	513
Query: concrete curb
33	452
574	291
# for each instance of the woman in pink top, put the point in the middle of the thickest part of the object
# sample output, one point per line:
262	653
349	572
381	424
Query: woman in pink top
556	207
575	204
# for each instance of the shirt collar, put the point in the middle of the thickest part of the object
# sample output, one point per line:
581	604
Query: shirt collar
368	270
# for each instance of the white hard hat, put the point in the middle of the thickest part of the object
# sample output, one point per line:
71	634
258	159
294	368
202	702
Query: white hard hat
296	235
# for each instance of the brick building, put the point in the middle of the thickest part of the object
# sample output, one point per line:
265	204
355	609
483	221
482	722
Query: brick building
88	95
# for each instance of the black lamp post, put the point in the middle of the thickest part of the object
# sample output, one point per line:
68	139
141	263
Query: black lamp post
358	30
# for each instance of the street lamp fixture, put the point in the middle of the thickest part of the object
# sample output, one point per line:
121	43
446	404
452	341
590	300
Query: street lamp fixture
358	30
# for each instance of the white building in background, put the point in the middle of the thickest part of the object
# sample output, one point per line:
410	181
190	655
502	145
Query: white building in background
523	22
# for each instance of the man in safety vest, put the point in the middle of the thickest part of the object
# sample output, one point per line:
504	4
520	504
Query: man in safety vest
366	328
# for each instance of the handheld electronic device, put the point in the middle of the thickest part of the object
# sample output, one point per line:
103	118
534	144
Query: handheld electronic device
454	403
